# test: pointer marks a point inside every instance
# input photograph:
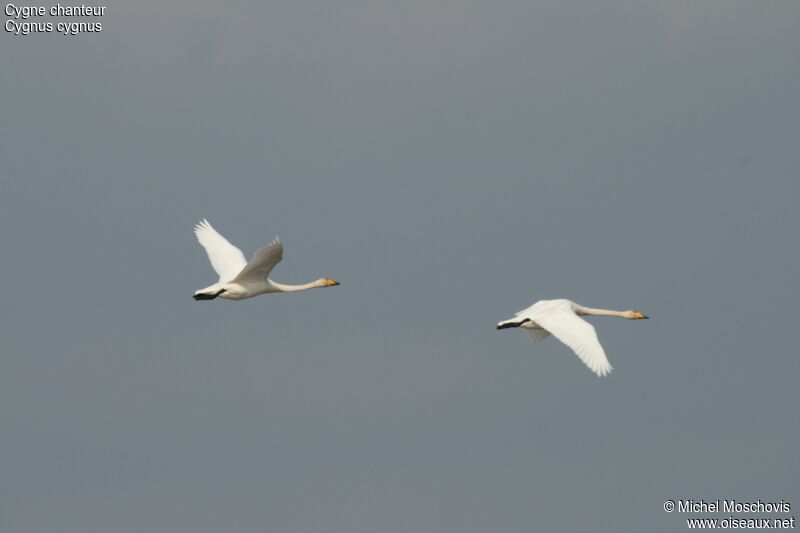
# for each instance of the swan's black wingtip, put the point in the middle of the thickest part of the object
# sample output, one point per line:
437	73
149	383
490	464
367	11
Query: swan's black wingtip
206	296
504	325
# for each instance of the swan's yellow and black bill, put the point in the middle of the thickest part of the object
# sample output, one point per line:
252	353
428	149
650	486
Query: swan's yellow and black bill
640	315
330	283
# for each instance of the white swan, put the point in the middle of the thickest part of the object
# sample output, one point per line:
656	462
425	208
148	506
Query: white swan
239	279
560	319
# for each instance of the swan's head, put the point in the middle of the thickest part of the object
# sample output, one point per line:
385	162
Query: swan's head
326	282
635	315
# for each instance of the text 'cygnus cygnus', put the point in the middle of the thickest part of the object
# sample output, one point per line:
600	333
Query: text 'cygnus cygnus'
560	319
239	279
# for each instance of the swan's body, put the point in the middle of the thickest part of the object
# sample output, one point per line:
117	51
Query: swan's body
239	279
560	319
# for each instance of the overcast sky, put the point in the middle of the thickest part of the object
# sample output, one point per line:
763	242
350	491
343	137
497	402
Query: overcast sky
449	162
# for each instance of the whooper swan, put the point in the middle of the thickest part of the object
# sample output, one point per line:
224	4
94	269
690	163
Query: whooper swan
560	319
239	279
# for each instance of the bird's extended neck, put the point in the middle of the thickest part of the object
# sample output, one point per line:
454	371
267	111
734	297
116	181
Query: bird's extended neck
581	310
281	287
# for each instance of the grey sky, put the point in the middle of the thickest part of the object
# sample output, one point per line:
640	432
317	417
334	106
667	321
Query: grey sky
449	163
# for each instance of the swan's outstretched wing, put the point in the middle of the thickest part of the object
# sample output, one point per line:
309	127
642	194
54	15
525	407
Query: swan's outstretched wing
226	259
576	333
262	263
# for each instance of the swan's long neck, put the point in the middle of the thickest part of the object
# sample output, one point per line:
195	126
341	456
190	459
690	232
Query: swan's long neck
581	310
293	288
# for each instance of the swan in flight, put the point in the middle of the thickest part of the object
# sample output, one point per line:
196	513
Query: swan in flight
239	279
561	319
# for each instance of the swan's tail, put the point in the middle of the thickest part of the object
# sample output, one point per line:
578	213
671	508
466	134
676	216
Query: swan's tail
512	323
